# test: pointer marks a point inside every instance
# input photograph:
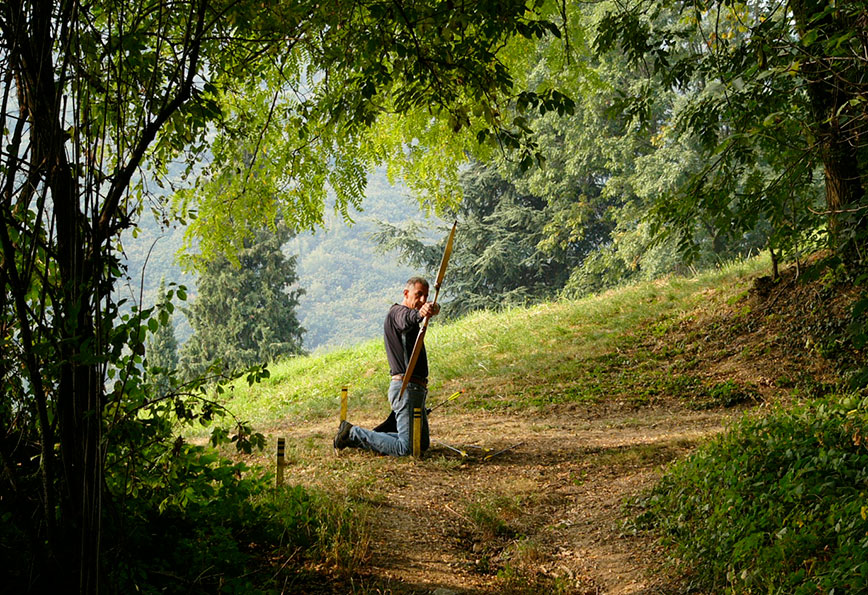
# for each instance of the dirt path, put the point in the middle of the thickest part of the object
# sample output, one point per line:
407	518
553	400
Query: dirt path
545	516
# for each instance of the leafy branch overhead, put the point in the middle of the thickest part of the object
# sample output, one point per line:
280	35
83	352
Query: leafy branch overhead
322	113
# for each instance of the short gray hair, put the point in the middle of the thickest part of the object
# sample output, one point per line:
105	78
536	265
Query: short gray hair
413	281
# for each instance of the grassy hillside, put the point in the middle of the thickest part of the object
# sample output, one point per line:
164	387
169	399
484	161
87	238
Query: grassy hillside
649	373
563	352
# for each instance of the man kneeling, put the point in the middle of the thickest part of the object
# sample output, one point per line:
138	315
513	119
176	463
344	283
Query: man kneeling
400	331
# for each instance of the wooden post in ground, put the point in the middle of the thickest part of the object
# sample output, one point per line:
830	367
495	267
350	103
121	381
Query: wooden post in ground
281	462
417	432
344	404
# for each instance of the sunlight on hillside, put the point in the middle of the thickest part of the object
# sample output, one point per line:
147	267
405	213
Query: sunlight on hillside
490	351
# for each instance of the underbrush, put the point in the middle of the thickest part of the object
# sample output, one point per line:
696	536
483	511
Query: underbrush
235	535
195	522
228	530
776	505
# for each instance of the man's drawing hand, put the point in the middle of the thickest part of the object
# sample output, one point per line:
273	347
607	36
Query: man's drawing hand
429	310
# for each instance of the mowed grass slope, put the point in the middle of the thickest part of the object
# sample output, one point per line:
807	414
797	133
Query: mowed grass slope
581	351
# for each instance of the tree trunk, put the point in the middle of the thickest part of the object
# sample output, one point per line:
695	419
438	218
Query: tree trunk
79	390
839	153
79	395
829	92
775	270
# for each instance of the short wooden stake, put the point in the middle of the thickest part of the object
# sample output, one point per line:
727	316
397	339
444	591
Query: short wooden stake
417	432
281	462
344	404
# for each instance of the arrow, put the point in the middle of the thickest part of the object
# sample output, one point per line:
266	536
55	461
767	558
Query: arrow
458	450
451	397
420	338
494	454
484	449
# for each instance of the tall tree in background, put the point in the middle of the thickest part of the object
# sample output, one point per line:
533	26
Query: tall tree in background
497	259
608	164
162	347
617	170
245	313
774	97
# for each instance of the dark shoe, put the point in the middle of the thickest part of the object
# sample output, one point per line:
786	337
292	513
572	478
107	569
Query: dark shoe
390	424
342	438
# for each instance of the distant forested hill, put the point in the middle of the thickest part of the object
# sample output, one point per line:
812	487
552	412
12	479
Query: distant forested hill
348	284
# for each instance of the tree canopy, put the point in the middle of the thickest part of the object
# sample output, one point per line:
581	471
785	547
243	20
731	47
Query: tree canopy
268	105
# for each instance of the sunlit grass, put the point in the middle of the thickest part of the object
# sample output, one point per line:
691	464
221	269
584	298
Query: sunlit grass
517	357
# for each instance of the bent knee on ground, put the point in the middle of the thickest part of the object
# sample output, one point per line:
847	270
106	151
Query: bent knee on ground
403	449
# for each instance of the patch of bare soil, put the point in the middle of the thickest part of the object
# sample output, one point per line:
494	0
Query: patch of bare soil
543	516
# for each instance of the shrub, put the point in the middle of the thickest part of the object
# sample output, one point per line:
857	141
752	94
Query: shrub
225	528
204	524
776	505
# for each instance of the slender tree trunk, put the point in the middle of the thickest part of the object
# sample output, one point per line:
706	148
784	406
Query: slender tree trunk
775	271
79	390
79	397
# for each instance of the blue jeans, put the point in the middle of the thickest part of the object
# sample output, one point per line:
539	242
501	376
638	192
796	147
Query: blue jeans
401	443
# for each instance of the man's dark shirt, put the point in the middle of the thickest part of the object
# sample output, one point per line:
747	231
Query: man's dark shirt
400	331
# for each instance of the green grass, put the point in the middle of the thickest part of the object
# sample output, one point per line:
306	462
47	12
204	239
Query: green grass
641	454
518	358
493	515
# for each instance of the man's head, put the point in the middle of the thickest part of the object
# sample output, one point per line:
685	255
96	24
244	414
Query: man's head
415	292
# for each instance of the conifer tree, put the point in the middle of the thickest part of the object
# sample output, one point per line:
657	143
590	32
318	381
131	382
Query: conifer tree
245	313
497	256
162	347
